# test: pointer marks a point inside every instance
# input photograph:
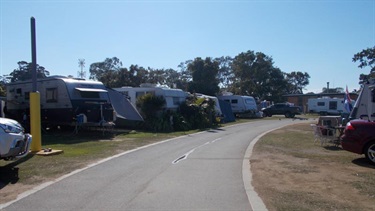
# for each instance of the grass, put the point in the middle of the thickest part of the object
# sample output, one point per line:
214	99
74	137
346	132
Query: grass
338	180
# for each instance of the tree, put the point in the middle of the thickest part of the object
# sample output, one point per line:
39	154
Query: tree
366	58
24	72
106	71
225	73
205	76
255	75
3	80
297	81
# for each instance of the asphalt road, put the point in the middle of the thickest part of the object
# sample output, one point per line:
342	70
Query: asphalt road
203	171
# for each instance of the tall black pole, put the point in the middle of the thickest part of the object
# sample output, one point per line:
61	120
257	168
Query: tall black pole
33	53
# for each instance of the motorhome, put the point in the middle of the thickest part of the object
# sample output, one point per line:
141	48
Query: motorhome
327	106
173	97
241	105
63	101
364	107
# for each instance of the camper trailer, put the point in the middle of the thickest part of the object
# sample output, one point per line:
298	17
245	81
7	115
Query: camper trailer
327	106
173	97
63	101
241	105
217	104
364	107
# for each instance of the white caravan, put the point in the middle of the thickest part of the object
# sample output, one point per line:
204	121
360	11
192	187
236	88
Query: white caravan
173	97
217	105
364	107
327	106
241	105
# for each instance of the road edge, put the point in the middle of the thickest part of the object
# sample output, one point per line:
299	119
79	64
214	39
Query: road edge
256	202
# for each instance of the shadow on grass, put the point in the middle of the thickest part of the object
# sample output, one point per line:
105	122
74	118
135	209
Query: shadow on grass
9	172
68	136
364	163
333	148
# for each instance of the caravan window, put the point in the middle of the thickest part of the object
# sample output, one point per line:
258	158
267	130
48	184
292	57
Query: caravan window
249	101
19	91
333	105
90	94
51	95
321	104
235	101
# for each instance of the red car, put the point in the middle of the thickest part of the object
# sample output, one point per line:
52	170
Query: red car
359	137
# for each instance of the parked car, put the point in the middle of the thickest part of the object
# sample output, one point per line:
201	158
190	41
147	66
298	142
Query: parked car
14	142
359	137
282	109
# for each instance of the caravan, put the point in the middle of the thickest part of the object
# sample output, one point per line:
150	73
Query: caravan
173	97
327	106
215	99
241	105
63	101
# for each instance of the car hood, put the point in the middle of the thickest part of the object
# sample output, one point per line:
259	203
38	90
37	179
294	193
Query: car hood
10	122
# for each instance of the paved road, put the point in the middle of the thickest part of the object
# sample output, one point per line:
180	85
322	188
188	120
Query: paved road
202	171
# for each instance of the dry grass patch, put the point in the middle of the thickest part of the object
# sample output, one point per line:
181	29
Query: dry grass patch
291	172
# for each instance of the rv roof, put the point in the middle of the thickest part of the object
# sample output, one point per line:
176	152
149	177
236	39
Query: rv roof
90	90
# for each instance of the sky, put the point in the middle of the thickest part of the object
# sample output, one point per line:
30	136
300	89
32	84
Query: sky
319	37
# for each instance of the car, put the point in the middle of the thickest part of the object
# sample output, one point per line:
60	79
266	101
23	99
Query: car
286	109
359	137
14	142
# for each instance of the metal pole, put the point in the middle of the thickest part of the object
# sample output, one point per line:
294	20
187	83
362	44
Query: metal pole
33	53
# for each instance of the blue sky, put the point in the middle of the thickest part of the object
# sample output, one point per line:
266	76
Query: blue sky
319	37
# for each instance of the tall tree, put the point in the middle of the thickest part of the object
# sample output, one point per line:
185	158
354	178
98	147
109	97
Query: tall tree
185	75
297	81
139	75
366	58
106	71
24	72
205	76
255	75
225	73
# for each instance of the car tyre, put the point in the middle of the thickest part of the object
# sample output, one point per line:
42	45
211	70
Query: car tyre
370	152
288	114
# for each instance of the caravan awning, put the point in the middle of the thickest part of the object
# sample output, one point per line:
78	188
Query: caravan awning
90	90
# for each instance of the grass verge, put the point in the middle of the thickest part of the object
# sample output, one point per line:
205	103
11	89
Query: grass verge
291	172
